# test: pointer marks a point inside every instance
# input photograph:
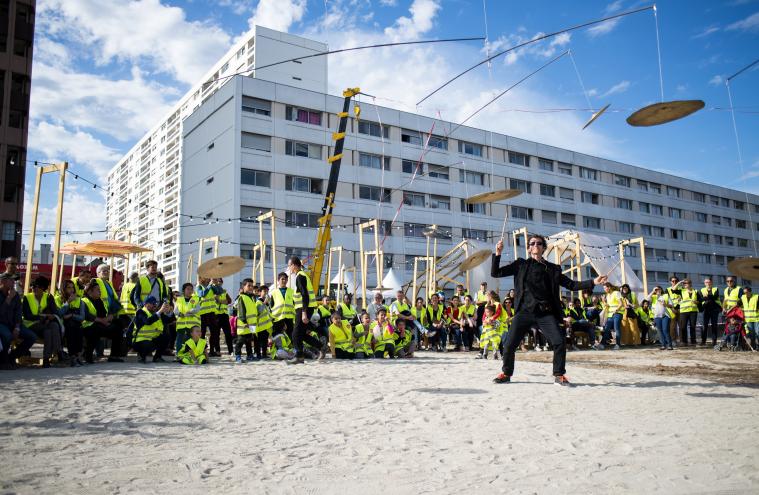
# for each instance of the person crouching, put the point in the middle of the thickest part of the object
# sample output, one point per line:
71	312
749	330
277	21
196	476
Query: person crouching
149	336
194	350
341	333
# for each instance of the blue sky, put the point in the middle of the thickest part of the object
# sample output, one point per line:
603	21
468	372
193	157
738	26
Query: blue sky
107	70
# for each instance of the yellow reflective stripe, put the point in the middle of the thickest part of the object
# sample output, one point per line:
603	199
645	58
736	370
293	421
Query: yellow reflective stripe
337	135
335	158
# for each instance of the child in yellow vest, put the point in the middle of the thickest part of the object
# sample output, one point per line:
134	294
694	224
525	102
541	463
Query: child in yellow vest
362	334
491	333
194	349
341	335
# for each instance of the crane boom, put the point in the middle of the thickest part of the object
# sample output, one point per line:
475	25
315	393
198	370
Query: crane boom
324	235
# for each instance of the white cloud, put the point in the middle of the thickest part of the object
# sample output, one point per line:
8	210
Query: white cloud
716	80
620	87
278	14
82	211
423	13
543	48
388	3
603	28
706	32
239	7
750	23
143	30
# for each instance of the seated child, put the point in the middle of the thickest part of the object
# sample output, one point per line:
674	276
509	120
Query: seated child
341	333
194	349
384	336
404	346
491	333
733	330
362	334
281	347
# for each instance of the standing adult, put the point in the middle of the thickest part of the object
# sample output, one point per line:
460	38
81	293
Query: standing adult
223	300
128	310
537	303
688	313
732	294
709	302
150	284
207	313
305	303
750	305
481	299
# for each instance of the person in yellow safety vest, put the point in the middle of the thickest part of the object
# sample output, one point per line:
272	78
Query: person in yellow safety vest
347	310
711	305
149	335
150	284
374	306
750	305
469	323
194	350
490	340
107	292
341	334
207	313
688	313
305	305
70	310
384	336
281	347
186	309
81	282
128	309
404	345
325	316
481	299
263	329
454	322
507	314
732	294
247	319
578	322
39	314
223	300
630	297
363	336
438	333
461	292
614	306
283	306
670	301
645	318
97	324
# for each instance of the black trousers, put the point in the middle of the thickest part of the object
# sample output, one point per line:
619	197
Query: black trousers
643	328
341	354
222	322
284	326
208	322
467	335
710	320
688	320
97	331
480	314
261	343
389	348
156	346
549	326
246	339
74	336
301	332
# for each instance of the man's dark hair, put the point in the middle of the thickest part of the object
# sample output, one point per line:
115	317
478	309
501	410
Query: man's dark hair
295	261
41	283
247	281
134	277
184	286
151	262
538	236
282	274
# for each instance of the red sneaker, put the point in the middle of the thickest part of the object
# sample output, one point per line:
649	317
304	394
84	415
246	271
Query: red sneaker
562	381
502	378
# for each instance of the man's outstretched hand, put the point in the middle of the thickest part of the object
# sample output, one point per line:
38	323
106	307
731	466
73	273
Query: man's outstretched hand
499	248
600	280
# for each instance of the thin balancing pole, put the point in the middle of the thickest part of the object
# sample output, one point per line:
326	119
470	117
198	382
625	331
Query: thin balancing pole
505	219
742	71
534	40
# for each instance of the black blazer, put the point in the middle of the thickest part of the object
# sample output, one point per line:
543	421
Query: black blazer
518	268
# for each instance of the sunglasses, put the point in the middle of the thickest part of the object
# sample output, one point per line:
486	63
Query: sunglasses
536	243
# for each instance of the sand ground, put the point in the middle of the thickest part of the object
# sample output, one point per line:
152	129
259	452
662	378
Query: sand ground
434	424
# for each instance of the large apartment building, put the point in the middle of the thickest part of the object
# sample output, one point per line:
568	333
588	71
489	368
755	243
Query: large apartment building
146	182
254	145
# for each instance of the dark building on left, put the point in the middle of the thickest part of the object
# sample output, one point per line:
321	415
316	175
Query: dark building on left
16	44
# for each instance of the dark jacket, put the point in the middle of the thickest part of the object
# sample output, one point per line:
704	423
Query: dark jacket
518	269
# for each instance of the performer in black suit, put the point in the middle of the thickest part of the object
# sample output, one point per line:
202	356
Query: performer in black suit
538	303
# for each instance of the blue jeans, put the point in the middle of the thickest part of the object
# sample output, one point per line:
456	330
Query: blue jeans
182	336
615	322
28	338
662	327
752	328
457	340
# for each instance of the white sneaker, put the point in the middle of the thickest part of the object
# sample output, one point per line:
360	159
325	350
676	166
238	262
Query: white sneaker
538	348
599	347
616	347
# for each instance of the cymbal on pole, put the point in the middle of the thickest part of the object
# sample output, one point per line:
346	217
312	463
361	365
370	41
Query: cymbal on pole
222	266
475	260
595	116
747	268
666	111
493	196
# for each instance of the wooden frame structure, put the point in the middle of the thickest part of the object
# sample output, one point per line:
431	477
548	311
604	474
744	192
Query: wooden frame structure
568	249
201	244
428	261
514	235
643	269
61	168
377	252
258	263
269	215
328	278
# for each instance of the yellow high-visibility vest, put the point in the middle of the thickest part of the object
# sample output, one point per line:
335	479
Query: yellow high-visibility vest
184	306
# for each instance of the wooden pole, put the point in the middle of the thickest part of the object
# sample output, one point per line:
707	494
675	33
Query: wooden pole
60	274
110	275
33	231
622	261
62	167
643	265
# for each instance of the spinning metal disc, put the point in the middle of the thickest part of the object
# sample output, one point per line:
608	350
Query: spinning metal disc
747	268
222	266
595	116
474	260
493	196
666	111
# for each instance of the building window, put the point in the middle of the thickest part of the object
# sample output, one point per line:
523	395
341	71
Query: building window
550	217
474	234
704	258
478	208
626	227
9	231
724	202
714	200
677	234
373	161
440	202
255	141
716	220
470	148
739	205
385	227
673	191
438	142
302	253
729	241
718	239
742	243
373	129
411	137
655	188
657	254
568	219
519	159
306	150
303	184
521	213
409	166
414	229
306	116
413	199
565	193
621	180
258	178
474	178
701	217
700	197
545	164
701	237
625	204
548	190
589	197
657	210
373	193
256	105
642	185
301	219
591	223
675	213
565	168
438	172
521	185
740	224
588	173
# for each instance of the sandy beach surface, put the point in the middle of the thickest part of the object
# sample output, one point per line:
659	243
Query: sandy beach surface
434	424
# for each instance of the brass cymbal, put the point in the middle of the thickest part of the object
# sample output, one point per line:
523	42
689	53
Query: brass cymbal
747	268
222	266
493	196
474	260
595	116
666	111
